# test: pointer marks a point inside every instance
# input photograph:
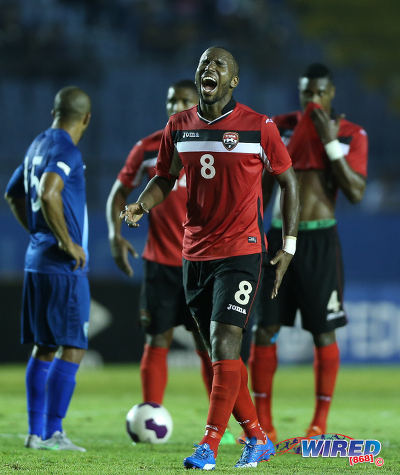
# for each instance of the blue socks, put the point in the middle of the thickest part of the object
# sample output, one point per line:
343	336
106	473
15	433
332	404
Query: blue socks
60	387
35	380
49	389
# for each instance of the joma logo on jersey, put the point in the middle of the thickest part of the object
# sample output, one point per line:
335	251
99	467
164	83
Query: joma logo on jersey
236	308
230	140
190	135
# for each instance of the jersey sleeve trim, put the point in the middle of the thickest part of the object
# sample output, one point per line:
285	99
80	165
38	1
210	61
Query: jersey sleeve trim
66	169
273	152
63	162
357	152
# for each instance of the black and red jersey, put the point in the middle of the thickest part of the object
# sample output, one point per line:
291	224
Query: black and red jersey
164	242
223	160
352	138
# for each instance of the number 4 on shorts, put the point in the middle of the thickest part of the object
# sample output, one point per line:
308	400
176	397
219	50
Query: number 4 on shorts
334	304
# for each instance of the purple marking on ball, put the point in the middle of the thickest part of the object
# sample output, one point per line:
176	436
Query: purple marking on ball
134	437
152	404
160	431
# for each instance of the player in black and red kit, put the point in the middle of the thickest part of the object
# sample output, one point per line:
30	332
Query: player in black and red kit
162	303
224	147
328	153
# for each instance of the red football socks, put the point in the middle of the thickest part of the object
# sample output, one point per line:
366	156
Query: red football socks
207	372
245	412
263	363
225	388
154	373
326	366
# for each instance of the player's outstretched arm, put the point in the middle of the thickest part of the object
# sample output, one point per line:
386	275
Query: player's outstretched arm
351	183
120	247
290	208
51	204
155	193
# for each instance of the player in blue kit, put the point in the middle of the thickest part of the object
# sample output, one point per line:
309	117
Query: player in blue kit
47	195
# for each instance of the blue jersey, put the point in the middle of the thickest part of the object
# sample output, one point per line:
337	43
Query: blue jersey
52	151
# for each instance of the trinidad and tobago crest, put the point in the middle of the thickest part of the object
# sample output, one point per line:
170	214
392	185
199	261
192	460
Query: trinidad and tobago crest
230	140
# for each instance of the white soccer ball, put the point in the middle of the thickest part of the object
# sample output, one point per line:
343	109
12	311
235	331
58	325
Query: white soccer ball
149	422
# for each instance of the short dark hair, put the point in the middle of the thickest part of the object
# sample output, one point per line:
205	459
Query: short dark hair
71	103
185	84
317	71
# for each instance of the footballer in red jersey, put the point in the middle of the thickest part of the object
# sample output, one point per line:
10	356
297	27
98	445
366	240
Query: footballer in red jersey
162	301
329	153
224	147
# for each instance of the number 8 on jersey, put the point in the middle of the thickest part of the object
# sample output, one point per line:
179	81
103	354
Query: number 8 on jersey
207	170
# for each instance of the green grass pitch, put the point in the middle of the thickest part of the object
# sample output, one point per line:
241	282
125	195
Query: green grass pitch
366	406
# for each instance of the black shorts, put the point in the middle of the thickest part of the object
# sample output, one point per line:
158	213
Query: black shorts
313	283
222	290
162	298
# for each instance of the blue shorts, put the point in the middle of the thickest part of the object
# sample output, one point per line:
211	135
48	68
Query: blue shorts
55	310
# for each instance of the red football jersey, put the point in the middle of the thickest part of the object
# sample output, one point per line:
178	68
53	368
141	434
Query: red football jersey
353	140
164	241
223	160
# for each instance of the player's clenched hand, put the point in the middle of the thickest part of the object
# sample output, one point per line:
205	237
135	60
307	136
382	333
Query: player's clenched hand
326	126
281	260
76	252
120	248
131	214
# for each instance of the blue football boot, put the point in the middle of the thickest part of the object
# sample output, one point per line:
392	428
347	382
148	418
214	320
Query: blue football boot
254	453
202	458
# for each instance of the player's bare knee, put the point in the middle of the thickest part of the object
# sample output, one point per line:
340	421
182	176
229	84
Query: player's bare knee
266	336
324	339
226	341
161	340
72	354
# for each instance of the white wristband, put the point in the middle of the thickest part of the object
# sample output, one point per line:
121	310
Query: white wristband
289	244
334	150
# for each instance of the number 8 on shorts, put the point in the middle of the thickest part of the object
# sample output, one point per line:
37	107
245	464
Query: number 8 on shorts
242	296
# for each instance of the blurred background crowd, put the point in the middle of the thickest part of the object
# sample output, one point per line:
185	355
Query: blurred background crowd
125	53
